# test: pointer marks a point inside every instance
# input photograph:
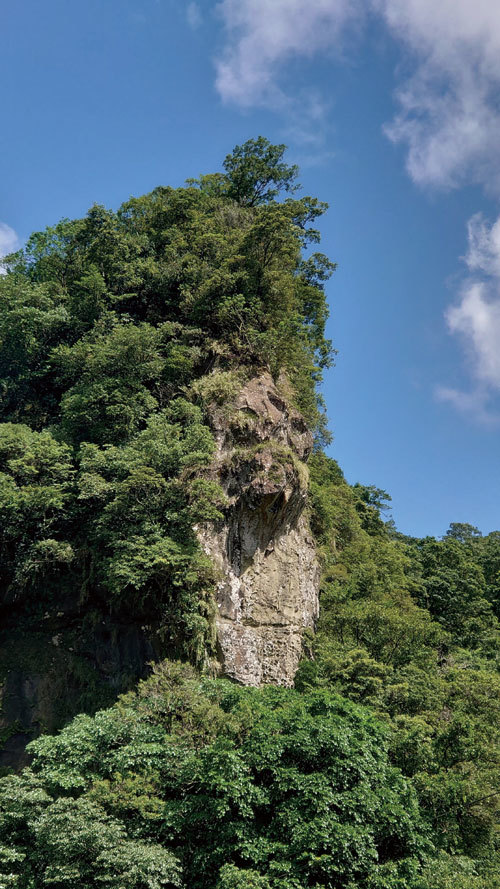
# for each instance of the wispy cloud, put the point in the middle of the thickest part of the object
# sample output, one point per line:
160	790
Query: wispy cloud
263	36
9	242
449	114
194	16
483	253
447	117
475	405
475	318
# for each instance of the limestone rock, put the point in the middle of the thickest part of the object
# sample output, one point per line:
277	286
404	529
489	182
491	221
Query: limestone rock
264	551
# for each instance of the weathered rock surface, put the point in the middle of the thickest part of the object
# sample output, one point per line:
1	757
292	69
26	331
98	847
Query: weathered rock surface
268	592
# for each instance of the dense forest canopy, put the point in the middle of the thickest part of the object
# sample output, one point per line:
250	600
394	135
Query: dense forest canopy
381	769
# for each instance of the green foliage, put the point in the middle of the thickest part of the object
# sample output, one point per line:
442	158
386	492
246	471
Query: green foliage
408	627
119	334
454	590
255	166
112	328
223	258
36	492
255	173
66	842
218	387
211	784
139	504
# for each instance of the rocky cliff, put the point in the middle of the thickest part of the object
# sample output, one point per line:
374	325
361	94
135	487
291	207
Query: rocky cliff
268	589
267	593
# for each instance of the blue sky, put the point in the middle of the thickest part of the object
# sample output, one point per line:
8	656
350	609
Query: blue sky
391	108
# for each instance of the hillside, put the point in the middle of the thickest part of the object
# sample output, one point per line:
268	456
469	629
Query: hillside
324	706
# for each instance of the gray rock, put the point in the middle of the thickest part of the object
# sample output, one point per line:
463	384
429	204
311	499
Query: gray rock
264	552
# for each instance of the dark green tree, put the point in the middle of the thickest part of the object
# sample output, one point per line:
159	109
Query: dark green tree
207	784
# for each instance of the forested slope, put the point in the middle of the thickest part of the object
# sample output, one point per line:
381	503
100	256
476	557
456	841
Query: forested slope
117	331
381	769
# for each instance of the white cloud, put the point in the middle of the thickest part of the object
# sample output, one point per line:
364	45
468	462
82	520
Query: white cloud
475	318
475	404
448	119
8	242
483	254
193	15
263	35
8	239
449	113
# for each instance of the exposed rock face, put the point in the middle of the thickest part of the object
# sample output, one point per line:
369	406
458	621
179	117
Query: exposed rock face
268	592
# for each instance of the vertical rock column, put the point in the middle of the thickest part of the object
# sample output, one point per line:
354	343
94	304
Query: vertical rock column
264	551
